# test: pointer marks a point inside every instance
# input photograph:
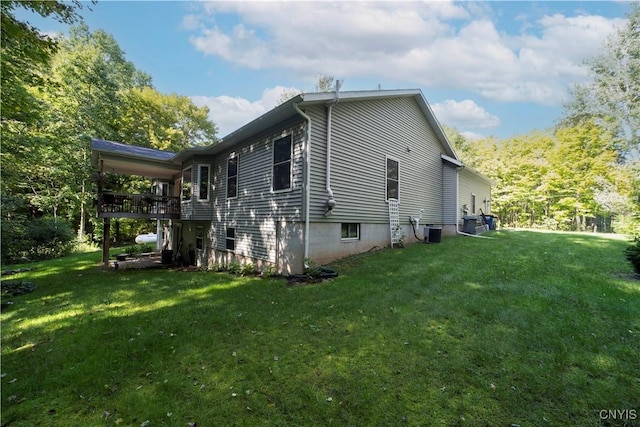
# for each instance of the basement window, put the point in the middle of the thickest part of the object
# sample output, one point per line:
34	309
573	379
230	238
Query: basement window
231	239
199	237
350	231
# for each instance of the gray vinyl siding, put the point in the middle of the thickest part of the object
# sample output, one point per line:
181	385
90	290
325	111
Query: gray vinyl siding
197	209
257	210
449	195
471	183
364	133
318	193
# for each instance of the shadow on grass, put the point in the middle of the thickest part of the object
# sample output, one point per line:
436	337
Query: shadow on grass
524	329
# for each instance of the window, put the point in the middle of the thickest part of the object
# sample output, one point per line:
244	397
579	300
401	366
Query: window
199	237
203	176
231	239
186	184
232	177
350	231
393	179
282	164
473	203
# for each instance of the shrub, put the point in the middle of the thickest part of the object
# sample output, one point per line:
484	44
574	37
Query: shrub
234	268
247	269
633	254
36	239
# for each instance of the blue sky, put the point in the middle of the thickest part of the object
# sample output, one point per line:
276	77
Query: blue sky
486	68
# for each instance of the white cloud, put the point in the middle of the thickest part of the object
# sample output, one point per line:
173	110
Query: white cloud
464	115
231	113
472	136
433	44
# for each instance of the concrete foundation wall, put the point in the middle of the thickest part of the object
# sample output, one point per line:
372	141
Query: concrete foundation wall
327	244
289	257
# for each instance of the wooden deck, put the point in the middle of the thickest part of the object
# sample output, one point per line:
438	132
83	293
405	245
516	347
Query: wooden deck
123	205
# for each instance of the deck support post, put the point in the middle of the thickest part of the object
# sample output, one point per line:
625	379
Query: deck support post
106	238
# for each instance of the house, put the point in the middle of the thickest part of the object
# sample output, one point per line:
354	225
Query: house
309	180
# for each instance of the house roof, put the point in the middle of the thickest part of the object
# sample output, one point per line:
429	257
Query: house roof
114	154
128	159
479	175
287	109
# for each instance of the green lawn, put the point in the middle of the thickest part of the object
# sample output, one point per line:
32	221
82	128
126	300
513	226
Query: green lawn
528	328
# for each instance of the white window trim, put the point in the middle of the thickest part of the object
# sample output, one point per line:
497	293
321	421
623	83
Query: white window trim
350	239
182	185
237	157
273	163
200	166
386	179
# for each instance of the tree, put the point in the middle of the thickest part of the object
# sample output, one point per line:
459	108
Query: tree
612	100
91	90
324	83
25	56
26	53
612	97
165	122
582	164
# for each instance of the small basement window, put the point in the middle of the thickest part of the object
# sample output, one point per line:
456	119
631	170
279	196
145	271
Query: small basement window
231	239
199	237
350	231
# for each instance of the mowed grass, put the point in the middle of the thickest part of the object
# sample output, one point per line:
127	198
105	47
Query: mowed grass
527	328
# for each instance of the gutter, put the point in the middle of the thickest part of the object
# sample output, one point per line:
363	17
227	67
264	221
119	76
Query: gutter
307	181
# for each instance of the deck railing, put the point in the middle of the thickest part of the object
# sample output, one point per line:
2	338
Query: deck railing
122	205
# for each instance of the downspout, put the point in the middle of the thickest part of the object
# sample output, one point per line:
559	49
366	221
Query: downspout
307	181
329	108
458	198
331	203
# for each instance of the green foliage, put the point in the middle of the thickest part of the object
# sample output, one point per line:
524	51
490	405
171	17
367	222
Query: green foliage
31	240
90	90
165	122
247	269
567	180
269	271
633	254
139	249
26	54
